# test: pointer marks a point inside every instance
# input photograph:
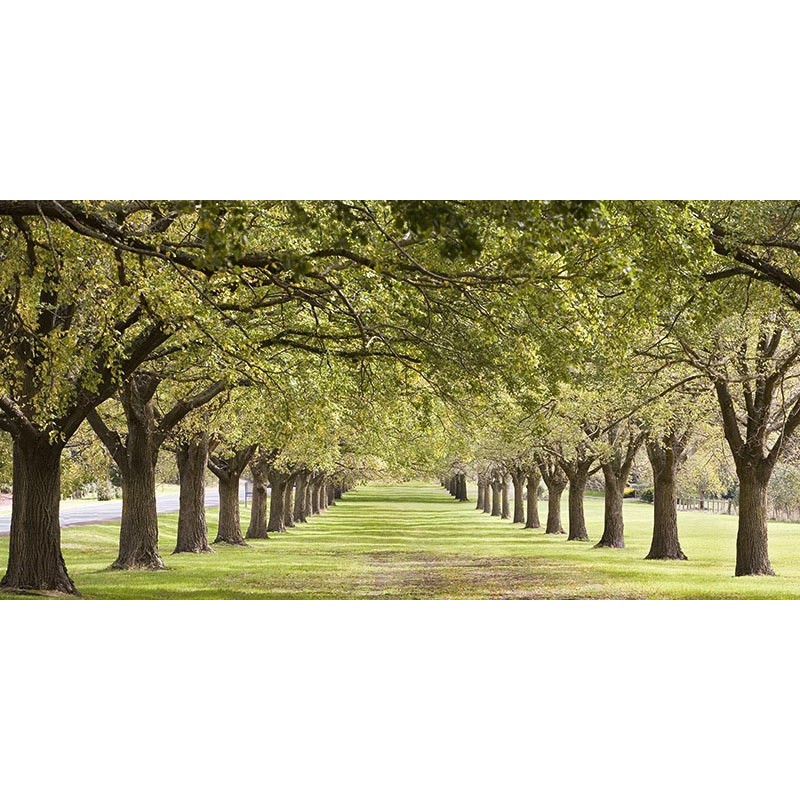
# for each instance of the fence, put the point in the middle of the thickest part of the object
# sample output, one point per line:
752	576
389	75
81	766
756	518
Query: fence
711	504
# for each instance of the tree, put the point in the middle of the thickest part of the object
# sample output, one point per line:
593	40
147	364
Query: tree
666	453
94	294
750	362
88	292
623	441
569	430
578	466
673	422
135	453
228	465
556	481
191	455
259	469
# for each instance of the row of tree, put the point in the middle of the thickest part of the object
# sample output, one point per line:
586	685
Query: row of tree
690	357
344	339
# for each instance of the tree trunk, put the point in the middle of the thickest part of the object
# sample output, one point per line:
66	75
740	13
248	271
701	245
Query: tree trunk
554	491
277	498
35	562
504	506
556	480
331	494
614	526
577	521
487	497
230	526
192	457
136	458
665	544
519	503
288	504
257	529
300	514
479	504
228	469
138	530
532	509
323	496
309	493
315	496
496	498
752	552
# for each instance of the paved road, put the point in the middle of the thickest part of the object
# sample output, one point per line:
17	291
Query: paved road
92	511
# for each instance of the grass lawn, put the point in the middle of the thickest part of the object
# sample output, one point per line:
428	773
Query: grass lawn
414	541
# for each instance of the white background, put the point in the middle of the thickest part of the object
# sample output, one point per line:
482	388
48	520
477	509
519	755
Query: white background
412	699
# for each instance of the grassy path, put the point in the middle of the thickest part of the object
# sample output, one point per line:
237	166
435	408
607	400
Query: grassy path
414	541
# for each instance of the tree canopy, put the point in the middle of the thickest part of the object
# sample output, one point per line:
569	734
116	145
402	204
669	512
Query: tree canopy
315	344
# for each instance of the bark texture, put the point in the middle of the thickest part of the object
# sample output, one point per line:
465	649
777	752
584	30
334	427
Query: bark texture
579	464
517	479
229	469
288	503
136	456
497	490
616	471
578	469
192	459
300	512
315	487
754	460
504	504
532	499
665	456
136	461
613	522
554	493
480	501
230	524
752	551
556	481
257	529
277	501
35	562
576	523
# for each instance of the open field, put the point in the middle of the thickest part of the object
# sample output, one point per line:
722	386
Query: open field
414	541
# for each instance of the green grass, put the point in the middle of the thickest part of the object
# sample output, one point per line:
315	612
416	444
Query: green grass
414	541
